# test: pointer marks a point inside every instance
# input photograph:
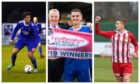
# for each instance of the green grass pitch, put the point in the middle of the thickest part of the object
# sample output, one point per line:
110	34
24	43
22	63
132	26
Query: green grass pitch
103	70
17	74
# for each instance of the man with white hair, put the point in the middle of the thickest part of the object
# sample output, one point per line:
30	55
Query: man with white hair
55	65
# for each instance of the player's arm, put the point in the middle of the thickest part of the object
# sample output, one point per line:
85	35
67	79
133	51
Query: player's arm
135	43
98	30
14	32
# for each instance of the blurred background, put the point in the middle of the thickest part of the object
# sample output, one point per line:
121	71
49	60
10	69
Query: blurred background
110	11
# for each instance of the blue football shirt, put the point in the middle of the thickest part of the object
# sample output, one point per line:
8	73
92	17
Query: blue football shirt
78	64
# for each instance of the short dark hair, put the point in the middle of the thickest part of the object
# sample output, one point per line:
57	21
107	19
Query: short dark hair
26	14
76	10
123	20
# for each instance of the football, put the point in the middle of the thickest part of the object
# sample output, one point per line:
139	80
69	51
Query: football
28	69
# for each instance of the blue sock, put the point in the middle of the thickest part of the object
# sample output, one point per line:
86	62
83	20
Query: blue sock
33	60
13	59
40	50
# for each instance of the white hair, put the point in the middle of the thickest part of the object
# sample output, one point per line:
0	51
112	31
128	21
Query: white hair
54	10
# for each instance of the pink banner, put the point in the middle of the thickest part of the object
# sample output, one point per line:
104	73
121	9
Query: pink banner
69	44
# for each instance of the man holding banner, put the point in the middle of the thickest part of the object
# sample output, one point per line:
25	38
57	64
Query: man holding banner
78	67
75	45
55	64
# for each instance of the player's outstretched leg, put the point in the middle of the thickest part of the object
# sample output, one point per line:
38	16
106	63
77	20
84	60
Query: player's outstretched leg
13	58
40	50
33	60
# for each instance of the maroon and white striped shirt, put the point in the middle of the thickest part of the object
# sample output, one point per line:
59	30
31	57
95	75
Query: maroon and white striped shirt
120	44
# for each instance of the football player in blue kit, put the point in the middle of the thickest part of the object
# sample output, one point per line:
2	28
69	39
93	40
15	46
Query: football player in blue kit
79	68
39	28
28	37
